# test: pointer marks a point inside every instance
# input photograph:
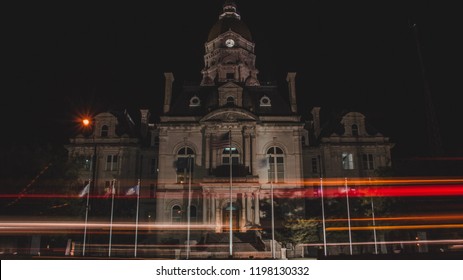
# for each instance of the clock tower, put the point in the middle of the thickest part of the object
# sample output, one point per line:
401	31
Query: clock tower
229	51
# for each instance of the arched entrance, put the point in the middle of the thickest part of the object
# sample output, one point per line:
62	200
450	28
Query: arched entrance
226	217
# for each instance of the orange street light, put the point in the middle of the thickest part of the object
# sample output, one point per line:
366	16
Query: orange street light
85	122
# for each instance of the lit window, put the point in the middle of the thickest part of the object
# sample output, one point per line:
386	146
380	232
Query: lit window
347	161
185	160
235	156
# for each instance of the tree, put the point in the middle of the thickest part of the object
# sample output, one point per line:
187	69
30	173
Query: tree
299	231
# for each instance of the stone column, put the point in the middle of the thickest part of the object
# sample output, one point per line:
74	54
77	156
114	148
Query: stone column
248	207
218	220
213	209
247	149
207	150
243	214
256	209
297	157
253	151
204	207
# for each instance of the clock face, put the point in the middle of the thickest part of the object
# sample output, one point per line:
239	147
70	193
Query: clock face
229	43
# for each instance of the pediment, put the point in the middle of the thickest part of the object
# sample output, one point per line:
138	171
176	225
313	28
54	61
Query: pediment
229	85
229	115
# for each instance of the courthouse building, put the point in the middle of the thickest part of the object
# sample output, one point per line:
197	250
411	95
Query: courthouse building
223	144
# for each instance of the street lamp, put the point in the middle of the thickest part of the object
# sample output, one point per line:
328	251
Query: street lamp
86	123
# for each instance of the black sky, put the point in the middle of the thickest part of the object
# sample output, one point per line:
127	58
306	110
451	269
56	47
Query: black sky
356	55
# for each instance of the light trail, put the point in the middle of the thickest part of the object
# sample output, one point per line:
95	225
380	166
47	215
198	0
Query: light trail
414	242
399	227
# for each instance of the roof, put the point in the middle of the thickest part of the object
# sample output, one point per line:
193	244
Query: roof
229	23
208	101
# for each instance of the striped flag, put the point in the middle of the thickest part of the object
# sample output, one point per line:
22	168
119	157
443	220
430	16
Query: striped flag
222	141
110	190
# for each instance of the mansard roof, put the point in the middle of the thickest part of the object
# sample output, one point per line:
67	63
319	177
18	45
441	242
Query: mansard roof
208	98
335	126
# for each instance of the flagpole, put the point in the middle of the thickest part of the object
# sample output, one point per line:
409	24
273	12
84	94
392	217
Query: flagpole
373	219
189	207
323	217
273	221
136	219
231	194
86	219
271	160
348	215
112	211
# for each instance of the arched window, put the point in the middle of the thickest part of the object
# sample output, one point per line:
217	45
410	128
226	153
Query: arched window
185	164
355	130
235	156
104	131
230	100
176	214
276	171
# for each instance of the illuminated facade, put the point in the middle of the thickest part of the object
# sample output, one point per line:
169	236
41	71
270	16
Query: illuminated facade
228	140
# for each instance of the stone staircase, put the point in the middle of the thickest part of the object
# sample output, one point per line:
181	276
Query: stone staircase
242	242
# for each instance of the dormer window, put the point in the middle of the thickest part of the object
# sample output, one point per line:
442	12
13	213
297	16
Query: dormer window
265	101
355	130
104	131
230	100
194	101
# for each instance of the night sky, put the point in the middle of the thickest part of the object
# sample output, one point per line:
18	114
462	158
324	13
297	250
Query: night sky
66	59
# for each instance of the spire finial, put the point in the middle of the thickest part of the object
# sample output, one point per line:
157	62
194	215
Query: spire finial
229	10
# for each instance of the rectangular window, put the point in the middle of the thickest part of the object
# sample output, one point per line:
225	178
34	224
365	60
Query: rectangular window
347	161
86	162
153	167
111	162
230	76
226	160
276	164
183	176
314	165
367	160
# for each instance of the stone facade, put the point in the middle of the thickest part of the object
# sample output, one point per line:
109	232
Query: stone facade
228	140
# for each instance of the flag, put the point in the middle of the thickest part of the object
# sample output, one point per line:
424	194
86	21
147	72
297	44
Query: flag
109	190
85	190
133	190
222	141
264	162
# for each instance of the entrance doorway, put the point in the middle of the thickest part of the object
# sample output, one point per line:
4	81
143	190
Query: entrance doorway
226	218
